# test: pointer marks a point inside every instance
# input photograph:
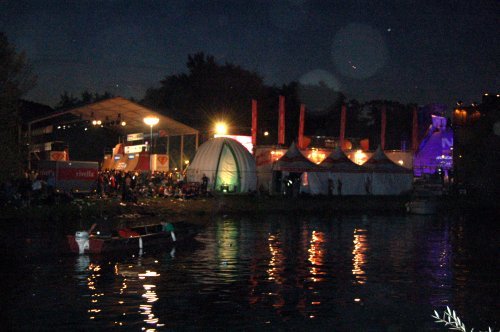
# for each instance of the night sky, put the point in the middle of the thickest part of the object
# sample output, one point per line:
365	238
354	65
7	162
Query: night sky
409	51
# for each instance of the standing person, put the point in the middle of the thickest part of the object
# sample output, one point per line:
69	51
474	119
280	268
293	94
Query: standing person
25	189
368	186
112	183
330	187
168	227
100	184
204	184
127	180
339	187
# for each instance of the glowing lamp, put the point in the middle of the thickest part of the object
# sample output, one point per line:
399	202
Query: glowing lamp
220	128
151	121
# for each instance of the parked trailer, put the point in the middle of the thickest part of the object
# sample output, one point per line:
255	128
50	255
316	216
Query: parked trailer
69	176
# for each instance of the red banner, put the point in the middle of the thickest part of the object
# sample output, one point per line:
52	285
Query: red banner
77	174
254	123
342	126
281	121
414	132
383	121
301	125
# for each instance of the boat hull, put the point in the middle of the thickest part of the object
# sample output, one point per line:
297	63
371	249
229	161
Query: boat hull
421	207
99	245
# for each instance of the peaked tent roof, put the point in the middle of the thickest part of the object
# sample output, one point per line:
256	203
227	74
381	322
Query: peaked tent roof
294	161
130	112
339	162
379	162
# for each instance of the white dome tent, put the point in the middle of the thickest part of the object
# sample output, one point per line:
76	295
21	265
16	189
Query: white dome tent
226	163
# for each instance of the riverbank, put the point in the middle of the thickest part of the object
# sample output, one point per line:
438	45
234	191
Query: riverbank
180	209
83	212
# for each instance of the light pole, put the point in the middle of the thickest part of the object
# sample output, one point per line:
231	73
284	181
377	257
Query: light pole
151	121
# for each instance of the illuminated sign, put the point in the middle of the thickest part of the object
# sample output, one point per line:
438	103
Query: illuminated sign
246	141
134	148
135	137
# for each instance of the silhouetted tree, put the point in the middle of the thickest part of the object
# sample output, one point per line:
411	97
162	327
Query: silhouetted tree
16	78
68	101
208	92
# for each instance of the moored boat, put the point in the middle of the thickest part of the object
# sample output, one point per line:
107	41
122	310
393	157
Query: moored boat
421	206
135	238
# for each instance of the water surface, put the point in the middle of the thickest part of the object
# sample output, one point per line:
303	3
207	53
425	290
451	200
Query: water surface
341	273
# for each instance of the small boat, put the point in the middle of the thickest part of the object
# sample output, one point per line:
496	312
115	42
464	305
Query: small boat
422	205
135	238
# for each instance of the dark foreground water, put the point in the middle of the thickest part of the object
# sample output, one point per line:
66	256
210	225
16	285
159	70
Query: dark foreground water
343	273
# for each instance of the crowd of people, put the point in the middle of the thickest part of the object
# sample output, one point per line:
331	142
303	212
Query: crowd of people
128	186
24	190
132	185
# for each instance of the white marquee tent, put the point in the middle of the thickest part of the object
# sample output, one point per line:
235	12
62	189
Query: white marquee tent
341	170
227	164
387	178
293	161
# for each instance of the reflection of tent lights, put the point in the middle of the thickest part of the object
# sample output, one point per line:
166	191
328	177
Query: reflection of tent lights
316	255
358	260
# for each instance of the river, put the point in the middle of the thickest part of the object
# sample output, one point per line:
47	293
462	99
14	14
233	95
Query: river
275	272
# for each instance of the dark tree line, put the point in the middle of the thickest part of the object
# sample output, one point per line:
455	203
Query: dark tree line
210	91
16	79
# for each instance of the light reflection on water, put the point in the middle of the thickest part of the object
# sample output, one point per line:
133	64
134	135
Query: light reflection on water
288	272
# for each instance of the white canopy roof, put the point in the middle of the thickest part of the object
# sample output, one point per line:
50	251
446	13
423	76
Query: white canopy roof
380	163
337	161
294	161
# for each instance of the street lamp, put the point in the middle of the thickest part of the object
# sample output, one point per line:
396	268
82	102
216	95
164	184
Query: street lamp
151	121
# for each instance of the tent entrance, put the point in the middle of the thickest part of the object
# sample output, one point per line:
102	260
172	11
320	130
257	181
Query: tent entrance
227	177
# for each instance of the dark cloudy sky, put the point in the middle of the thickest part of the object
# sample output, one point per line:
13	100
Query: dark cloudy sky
411	51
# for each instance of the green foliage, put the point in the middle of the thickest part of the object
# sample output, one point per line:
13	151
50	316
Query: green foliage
207	93
67	100
452	321
16	79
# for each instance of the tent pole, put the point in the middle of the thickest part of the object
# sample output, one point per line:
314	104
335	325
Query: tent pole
168	151
29	146
182	153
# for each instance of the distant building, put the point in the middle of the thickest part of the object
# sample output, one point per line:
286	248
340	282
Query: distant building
477	147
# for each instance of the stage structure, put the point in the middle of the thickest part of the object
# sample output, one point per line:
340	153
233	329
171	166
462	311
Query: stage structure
127	118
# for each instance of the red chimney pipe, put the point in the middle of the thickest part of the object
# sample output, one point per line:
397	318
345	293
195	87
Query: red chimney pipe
414	133
383	121
254	123
281	121
301	125
342	125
